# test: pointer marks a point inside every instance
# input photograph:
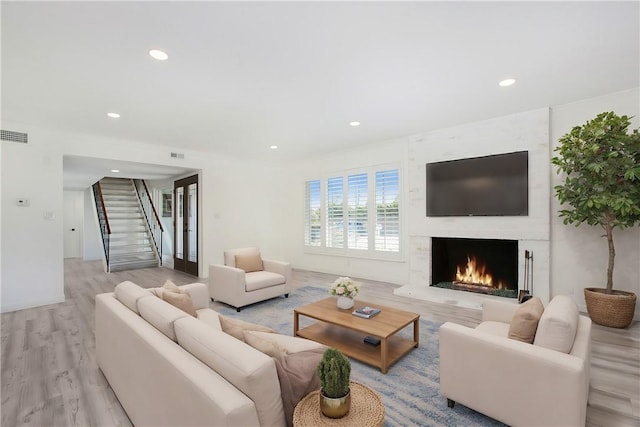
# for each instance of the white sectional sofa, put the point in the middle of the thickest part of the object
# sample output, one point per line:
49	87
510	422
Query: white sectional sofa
168	368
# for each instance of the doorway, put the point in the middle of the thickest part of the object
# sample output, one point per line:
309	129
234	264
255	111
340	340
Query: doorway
185	225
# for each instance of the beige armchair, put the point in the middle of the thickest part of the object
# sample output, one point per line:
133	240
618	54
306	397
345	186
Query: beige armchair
545	383
247	278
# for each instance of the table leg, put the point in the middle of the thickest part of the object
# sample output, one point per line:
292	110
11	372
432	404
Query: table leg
295	324
416	332
384	356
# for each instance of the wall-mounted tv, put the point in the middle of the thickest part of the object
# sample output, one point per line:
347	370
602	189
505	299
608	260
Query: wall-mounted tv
496	185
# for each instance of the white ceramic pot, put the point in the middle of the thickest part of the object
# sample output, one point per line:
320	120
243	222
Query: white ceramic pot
345	303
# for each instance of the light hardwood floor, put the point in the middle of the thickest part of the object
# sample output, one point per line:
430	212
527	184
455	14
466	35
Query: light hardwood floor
50	378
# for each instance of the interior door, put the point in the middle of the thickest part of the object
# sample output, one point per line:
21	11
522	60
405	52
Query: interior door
73	217
185	225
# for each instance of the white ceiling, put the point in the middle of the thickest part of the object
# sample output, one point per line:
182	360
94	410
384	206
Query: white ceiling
245	75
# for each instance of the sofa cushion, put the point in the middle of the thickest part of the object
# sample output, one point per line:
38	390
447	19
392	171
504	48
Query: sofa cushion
128	293
236	327
262	279
160	314
525	321
249	370
558	325
181	300
492	327
249	262
210	317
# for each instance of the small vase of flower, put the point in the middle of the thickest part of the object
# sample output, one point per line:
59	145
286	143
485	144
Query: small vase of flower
346	290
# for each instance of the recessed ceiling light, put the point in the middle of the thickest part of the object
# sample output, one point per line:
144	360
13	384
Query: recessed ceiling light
354	124
158	54
113	115
507	82
115	170
273	147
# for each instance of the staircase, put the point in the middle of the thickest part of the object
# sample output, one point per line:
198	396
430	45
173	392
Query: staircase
130	244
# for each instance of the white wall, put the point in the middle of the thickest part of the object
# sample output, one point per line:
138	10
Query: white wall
579	255
239	206
32	237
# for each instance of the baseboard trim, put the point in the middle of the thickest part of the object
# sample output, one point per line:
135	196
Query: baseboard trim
31	304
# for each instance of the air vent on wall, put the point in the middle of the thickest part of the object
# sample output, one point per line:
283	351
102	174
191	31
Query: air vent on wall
177	155
11	136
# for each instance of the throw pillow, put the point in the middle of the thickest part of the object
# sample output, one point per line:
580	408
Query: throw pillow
265	345
249	262
297	377
525	321
288	343
170	286
558	325
180	300
236	327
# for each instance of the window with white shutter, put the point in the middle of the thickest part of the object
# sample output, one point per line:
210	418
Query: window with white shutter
387	224
357	201
313	217
355	213
335	212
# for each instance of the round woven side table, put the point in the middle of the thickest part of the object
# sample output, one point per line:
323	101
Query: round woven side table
367	410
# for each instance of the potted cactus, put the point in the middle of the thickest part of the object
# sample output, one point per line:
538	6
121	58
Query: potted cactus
601	165
334	370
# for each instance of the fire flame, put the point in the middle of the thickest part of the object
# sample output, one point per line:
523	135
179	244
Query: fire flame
474	273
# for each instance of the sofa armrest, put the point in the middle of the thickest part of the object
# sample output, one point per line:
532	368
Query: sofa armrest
280	267
511	381
226	283
199	293
498	311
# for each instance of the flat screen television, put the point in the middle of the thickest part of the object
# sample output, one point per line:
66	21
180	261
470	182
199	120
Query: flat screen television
496	185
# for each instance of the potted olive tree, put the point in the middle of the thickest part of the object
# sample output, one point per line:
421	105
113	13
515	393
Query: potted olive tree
601	163
334	371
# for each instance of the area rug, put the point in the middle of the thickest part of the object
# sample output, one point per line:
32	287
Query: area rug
410	390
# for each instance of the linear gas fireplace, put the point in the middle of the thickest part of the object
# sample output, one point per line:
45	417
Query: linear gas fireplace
487	266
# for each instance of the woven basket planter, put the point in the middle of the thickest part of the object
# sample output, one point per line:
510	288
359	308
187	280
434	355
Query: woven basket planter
615	310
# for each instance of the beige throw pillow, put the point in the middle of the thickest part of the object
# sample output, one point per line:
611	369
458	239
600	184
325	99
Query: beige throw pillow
170	286
236	327
181	301
267	346
525	321
175	296
249	262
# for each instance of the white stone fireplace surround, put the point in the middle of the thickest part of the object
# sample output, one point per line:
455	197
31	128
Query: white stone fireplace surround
524	131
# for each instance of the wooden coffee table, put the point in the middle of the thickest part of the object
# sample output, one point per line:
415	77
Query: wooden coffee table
340	329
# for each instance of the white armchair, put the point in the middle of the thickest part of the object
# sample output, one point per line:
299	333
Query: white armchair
515	382
247	278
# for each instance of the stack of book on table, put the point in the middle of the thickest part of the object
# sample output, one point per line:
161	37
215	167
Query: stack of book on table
366	312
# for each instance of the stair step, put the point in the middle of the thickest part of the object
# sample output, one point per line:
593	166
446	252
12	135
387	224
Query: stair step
131	248
131	257
120	217
132	265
